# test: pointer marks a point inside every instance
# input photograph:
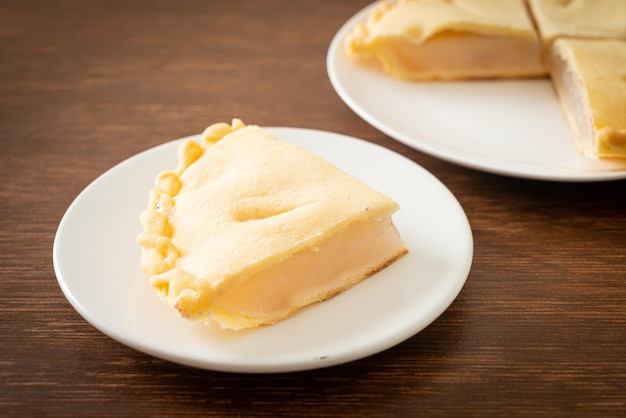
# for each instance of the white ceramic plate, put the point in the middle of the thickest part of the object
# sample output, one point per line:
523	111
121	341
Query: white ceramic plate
96	260
513	128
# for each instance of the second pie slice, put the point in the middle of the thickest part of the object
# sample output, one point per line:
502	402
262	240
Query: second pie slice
590	79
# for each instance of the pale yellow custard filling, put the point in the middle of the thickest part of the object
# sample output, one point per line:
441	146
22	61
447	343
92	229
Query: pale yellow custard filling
453	55
573	103
322	271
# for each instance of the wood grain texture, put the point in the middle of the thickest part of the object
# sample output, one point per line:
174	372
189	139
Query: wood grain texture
538	330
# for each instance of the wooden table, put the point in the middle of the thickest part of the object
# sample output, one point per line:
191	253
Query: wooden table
538	329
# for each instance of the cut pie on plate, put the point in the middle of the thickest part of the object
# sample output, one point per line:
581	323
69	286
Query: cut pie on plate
444	39
590	79
250	229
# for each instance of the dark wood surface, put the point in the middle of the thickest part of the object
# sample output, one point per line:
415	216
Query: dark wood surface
539	328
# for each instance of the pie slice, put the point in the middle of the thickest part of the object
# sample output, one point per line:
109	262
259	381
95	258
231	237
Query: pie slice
590	19
449	39
249	229
590	79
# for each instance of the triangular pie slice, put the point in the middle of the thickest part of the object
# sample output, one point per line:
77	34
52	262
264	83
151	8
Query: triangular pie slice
449	39
250	229
590	79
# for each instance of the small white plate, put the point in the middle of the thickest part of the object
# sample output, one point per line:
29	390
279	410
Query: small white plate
96	260
508	127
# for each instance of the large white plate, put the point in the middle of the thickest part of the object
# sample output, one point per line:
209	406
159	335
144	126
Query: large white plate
513	128
96	260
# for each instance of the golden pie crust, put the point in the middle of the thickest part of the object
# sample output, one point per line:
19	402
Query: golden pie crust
585	19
